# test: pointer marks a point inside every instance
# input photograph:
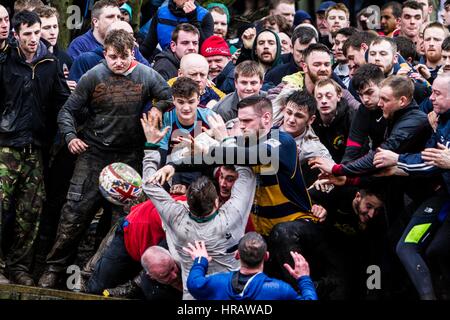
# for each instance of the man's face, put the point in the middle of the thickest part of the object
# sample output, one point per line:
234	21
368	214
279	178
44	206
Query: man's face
370	95
108	16
286	10
318	66
445	13
356	58
298	51
216	65
432	44
4	24
388	21
411	22
367	207
337	19
117	63
220	24
322	24
446	61
250	122
186	108
29	37
124	16
227	178
187	42
337	48
198	73
286	43
426	9
440	96
327	99
388	102
382	55
165	274
50	29
296	119
247	86
266	47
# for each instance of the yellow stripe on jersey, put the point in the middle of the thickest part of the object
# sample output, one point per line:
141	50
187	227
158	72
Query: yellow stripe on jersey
265	225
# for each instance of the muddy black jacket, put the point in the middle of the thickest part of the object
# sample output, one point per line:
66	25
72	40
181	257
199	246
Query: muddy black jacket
114	106
31	95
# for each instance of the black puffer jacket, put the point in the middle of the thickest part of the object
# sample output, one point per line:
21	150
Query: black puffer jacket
30	97
406	132
167	64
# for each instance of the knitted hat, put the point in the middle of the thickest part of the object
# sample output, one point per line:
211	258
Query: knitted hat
127	8
215	46
301	16
325	5
221	6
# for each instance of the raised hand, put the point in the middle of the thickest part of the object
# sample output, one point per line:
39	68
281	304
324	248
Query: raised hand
197	250
162	175
301	266
151	128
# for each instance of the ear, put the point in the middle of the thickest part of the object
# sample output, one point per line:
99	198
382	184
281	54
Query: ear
304	66
403	101
94	22
16	35
172	46
396	58
358	196
266	256
236	255
397	22
311	119
364	46
180	73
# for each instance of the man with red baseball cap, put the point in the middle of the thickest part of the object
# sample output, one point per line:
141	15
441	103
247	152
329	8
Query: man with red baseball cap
221	68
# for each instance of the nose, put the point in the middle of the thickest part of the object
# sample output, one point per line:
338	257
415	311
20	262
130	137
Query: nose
371	213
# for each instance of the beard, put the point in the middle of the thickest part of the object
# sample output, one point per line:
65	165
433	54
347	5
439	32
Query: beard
433	56
318	76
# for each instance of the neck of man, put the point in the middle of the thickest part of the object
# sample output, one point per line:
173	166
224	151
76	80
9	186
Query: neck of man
414	39
246	271
188	122
309	84
327	119
433	65
28	56
98	37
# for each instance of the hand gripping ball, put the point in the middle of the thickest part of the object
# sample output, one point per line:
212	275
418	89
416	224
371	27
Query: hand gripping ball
120	184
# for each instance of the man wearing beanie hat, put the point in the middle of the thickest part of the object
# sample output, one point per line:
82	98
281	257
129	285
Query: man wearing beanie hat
301	16
127	12
221	68
221	17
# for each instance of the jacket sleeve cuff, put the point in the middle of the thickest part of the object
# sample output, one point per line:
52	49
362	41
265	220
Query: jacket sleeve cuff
337	170
70	136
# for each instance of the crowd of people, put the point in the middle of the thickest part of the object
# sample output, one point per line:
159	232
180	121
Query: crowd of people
281	160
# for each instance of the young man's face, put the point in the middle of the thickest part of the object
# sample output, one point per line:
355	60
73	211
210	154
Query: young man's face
446	61
356	58
108	16
266	47
318	66
337	19
367	207
124	16
250	122
382	55
286	43
432	44
227	178
388	21
286	10
296	119
4	24
327	99
321	22
445	13
50	29
298	51
186	108
337	48
247	86
426	9
216	65
117	63
187	42
388	102
370	95
28	38
220	24
440	96
411	22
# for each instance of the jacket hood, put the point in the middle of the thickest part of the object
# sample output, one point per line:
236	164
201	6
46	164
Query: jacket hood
169	55
277	60
251	289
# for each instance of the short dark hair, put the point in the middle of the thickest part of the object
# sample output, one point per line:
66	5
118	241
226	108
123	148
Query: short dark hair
315	47
252	249
401	86
186	27
406	48
201	196
185	87
28	18
376	189
446	43
120	40
46	12
304	35
365	74
391	41
412	4
396	8
99	5
348	31
20	5
357	39
436	24
279	20
258	103
303	99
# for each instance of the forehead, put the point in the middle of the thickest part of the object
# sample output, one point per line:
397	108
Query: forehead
373	200
284	36
386	91
411	11
194	96
218	16
319	56
228	172
368	86
335	12
296	108
3	12
285	7
249	79
300	46
387	12
381	46
266	36
434	32
341	37
198	67
110	50
328	88
247	113
51	20
32	28
110	10
442	84
184	36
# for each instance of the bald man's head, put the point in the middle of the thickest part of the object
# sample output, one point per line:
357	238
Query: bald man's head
160	266
4	25
122	25
195	67
440	96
